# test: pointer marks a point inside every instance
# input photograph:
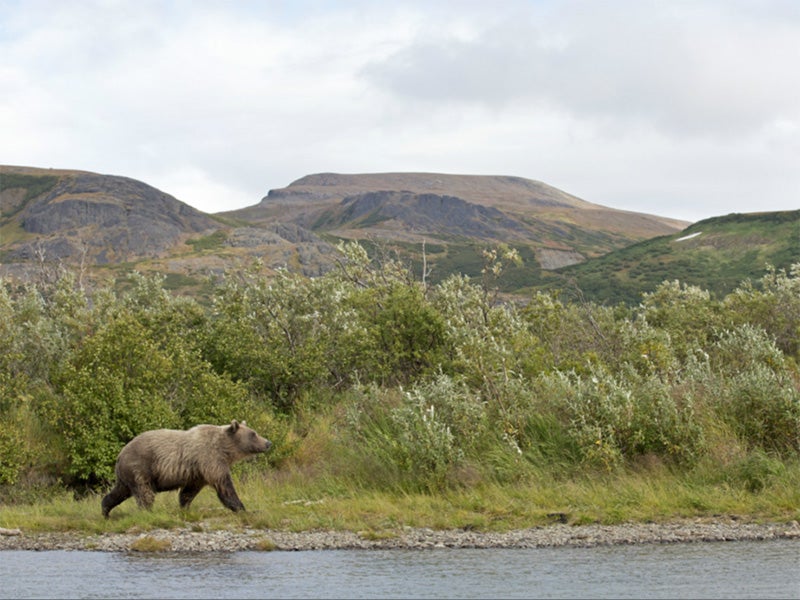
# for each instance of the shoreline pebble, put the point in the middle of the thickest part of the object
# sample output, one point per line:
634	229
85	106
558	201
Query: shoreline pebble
191	540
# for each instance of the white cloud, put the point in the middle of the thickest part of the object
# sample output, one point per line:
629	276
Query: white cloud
695	68
187	182
685	109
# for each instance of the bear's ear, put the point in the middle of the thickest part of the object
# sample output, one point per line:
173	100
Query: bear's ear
234	426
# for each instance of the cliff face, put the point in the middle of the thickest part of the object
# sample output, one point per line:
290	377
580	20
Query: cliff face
410	212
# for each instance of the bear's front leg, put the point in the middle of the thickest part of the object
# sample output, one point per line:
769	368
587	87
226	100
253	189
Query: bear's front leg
227	494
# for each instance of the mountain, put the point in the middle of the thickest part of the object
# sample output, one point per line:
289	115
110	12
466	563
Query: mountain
456	216
104	221
715	254
58	216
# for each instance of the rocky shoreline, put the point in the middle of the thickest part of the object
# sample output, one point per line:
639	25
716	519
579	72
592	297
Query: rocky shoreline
196	540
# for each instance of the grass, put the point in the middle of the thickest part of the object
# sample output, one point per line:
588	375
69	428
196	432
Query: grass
297	503
149	543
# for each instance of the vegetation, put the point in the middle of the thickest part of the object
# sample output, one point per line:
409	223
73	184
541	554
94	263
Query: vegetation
714	254
396	402
212	241
34	185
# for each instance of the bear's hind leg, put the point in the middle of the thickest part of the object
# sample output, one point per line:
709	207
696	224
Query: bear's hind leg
116	496
144	494
189	491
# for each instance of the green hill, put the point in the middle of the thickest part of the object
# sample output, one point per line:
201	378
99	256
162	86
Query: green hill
715	254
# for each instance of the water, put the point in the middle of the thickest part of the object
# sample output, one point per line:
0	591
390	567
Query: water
768	569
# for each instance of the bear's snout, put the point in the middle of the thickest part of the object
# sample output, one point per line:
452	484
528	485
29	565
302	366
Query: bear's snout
261	445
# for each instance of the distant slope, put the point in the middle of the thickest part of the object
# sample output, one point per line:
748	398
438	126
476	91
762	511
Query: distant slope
515	196
459	214
715	254
106	222
63	215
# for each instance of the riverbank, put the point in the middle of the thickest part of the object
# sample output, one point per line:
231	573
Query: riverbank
196	540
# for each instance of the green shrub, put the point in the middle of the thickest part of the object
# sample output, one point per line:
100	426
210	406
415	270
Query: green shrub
406	433
685	312
13	449
455	405
544	440
774	306
763	408
125	380
616	418
753	390
754	471
409	333
489	388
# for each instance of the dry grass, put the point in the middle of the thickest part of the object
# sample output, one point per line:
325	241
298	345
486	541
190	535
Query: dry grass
148	543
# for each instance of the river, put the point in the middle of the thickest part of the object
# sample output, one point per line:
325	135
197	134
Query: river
747	569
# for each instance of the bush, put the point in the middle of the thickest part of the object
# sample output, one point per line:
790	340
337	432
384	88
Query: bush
544	440
125	380
418	436
13	449
762	408
617	418
775	307
754	471
753	391
685	312
488	387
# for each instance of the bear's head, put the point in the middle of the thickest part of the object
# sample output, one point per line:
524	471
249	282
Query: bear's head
245	439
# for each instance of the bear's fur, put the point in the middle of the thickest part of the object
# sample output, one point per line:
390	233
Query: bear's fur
167	459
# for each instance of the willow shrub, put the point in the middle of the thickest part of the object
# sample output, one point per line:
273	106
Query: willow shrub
13	451
751	389
773	304
613	418
124	380
416	439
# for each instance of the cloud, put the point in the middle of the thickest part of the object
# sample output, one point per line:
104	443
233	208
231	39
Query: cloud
674	108
684	68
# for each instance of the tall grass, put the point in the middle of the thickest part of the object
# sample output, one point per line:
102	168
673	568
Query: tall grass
299	503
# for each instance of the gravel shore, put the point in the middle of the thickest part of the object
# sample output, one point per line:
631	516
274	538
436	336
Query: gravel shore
192	540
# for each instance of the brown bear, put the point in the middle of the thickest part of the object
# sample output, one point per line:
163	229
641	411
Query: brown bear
166	459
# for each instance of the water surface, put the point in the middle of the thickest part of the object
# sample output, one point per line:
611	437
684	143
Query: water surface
768	569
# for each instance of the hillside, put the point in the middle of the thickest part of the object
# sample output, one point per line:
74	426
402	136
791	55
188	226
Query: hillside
108	224
75	215
715	254
550	215
104	221
456	216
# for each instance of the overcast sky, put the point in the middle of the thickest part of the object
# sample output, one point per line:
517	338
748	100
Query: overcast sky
685	109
